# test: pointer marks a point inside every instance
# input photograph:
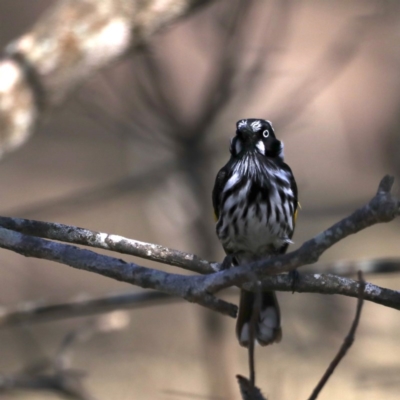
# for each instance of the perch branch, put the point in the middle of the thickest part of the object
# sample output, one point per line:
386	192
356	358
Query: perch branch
173	284
120	244
32	312
199	289
382	208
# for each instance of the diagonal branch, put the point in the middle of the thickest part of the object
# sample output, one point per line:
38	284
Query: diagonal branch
173	284
331	284
100	240
382	208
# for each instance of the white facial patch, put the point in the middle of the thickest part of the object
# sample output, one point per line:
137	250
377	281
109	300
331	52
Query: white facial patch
281	152
242	123
255	126
261	147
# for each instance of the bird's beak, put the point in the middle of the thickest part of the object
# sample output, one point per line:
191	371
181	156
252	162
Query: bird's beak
247	135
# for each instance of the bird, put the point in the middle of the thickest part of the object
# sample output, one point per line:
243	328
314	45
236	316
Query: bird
255	201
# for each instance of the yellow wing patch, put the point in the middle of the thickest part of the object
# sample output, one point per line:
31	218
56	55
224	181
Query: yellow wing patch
296	212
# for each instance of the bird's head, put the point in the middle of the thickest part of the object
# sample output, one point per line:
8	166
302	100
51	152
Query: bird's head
256	136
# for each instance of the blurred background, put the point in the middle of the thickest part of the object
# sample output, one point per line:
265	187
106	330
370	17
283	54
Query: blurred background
135	152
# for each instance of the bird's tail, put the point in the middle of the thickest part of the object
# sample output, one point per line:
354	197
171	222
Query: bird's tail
268	322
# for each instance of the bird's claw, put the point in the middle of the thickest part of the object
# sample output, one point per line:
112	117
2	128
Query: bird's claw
294	276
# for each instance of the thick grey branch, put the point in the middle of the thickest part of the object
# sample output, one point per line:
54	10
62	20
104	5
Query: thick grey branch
33	312
351	267
72	41
173	284
331	284
75	235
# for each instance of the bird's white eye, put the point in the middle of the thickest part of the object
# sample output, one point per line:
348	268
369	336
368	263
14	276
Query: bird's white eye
266	133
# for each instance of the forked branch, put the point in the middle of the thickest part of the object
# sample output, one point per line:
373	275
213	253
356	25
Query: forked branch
200	289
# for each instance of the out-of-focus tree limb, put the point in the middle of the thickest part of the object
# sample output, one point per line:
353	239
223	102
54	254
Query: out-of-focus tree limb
67	46
56	375
199	289
38	311
67	384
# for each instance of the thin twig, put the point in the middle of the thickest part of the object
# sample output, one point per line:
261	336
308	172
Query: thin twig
252	332
348	341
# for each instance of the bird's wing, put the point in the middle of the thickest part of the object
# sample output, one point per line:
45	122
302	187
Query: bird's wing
219	185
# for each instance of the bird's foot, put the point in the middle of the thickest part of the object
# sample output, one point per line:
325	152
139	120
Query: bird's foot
294	276
227	263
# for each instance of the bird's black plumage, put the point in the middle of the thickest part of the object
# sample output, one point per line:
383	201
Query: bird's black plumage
255	204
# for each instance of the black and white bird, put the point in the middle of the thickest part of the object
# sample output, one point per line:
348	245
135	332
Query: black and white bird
255	204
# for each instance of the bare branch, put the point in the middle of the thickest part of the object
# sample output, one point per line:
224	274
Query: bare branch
66	47
331	284
32	312
75	235
55	375
173	284
348	341
29	312
382	208
367	267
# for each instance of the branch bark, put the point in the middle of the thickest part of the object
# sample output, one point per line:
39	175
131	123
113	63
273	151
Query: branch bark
173	284
100	240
